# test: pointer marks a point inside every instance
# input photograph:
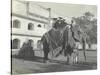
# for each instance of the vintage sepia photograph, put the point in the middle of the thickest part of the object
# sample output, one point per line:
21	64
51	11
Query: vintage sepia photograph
52	37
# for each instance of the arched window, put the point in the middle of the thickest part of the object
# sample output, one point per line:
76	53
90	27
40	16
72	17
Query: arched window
39	25
30	26
31	42
15	44
16	24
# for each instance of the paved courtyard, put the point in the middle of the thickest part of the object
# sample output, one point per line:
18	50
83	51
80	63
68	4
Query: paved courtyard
36	65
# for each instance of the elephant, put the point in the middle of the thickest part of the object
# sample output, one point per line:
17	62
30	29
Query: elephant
63	35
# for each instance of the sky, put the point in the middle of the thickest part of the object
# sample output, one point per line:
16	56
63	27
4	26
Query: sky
69	10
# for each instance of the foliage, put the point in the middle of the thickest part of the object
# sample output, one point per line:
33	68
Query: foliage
88	24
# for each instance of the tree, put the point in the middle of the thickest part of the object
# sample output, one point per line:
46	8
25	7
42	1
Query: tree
88	24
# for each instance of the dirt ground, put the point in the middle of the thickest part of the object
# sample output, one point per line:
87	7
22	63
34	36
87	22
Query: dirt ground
36	65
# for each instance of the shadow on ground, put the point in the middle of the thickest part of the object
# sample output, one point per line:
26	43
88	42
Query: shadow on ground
34	58
40	60
35	65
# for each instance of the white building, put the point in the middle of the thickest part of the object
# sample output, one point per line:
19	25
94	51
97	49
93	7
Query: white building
29	22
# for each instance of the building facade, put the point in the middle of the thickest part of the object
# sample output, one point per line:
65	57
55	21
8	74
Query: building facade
29	22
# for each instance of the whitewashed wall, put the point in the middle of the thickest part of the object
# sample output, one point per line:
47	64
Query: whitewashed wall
38	31
20	7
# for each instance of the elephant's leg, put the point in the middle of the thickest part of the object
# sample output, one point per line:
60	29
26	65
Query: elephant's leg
76	57
45	56
75	60
68	58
